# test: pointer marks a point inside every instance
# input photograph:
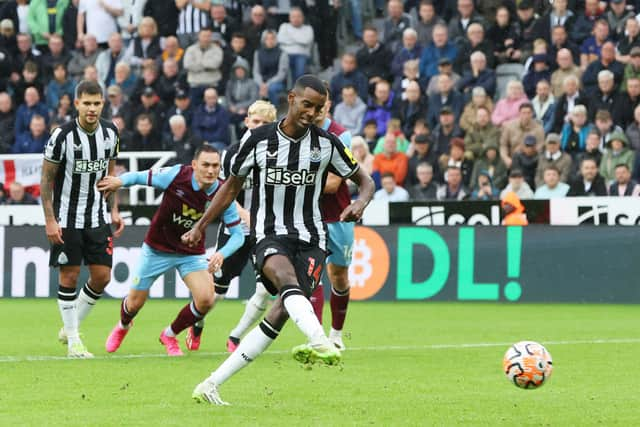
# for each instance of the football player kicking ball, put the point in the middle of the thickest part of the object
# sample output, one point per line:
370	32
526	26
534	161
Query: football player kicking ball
188	189
289	161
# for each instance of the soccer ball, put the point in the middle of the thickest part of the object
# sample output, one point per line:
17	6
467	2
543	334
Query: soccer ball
527	364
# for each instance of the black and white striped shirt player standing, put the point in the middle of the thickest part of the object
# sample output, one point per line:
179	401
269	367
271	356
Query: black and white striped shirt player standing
289	161
77	155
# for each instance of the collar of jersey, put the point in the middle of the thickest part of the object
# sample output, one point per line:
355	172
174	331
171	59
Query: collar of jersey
84	130
196	187
288	137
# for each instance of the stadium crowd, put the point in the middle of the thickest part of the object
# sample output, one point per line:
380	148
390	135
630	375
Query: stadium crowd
446	100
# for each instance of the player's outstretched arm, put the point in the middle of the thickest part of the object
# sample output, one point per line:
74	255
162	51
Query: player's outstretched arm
53	230
366	188
221	201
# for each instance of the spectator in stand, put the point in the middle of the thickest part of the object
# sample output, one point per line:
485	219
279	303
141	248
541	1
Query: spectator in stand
632	69
478	76
270	68
629	40
99	16
606	96
425	19
45	19
241	92
211	121
382	106
481	135
181	140
475	42
145	45
552	156
617	16
622	112
150	105
410	50
146	137
34	140
296	39
616	153
370	133
181	106
538	70
585	23
446	97
551	186
445	130
491	163
81	58
517	185
203	61
390	191
508	108
170	81
116	102
410	73
504	38
18	196
623	184
240	49
221	23
606	127
394	127
526	160
484	188
592	151
633	131
349	74
607	61
360	151
8	41
591	49
513	209
255	27
172	50
132	13
374	58
560	40
544	105
425	188
395	25
456	158
444	67
439	48
26	53
453	189
514	132
125	80
390	160
412	108
566	68
7	123
30	77
559	15
56	53
526	23
193	17
63	113
30	107
466	16
58	86
69	24
479	99
422	153
574	133
350	112
589	182
564	105
107	59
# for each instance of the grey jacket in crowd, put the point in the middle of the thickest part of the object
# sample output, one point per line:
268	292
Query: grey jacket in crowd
241	93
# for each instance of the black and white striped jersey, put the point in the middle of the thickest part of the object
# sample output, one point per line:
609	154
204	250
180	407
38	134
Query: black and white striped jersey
192	20
244	196
288	178
84	160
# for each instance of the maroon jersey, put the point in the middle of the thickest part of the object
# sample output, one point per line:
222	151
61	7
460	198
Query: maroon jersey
332	205
181	207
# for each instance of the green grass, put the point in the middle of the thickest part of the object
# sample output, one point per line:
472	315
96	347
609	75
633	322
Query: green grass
395	372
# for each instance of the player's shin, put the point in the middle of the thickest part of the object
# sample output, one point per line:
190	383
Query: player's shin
87	298
339	302
301	312
68	312
255	308
188	316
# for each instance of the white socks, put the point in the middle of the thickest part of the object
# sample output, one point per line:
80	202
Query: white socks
301	312
254	309
68	313
87	298
254	344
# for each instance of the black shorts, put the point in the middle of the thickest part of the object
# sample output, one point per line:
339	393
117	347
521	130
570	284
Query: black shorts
307	260
232	266
93	245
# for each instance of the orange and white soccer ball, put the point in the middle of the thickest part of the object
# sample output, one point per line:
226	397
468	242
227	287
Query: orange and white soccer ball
527	364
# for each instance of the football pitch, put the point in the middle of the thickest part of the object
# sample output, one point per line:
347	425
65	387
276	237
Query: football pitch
407	364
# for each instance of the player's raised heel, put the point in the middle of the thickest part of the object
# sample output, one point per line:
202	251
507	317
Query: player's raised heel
207	392
192	341
78	350
308	354
171	344
115	338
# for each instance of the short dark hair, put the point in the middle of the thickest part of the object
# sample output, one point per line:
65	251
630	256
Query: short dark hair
454	167
30	66
311	82
238	35
622	165
349	86
205	148
388	175
525	105
370	122
88	87
588	159
552	168
370	28
144	116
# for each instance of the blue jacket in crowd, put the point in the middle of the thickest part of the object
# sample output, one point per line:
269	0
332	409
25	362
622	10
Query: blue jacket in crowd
211	126
432	54
24	115
26	143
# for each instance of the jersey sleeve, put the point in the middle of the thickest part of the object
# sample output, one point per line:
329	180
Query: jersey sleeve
244	160
231	217
156	178
342	162
227	155
345	138
56	147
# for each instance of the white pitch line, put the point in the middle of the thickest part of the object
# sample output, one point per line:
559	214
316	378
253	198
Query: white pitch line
17	359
